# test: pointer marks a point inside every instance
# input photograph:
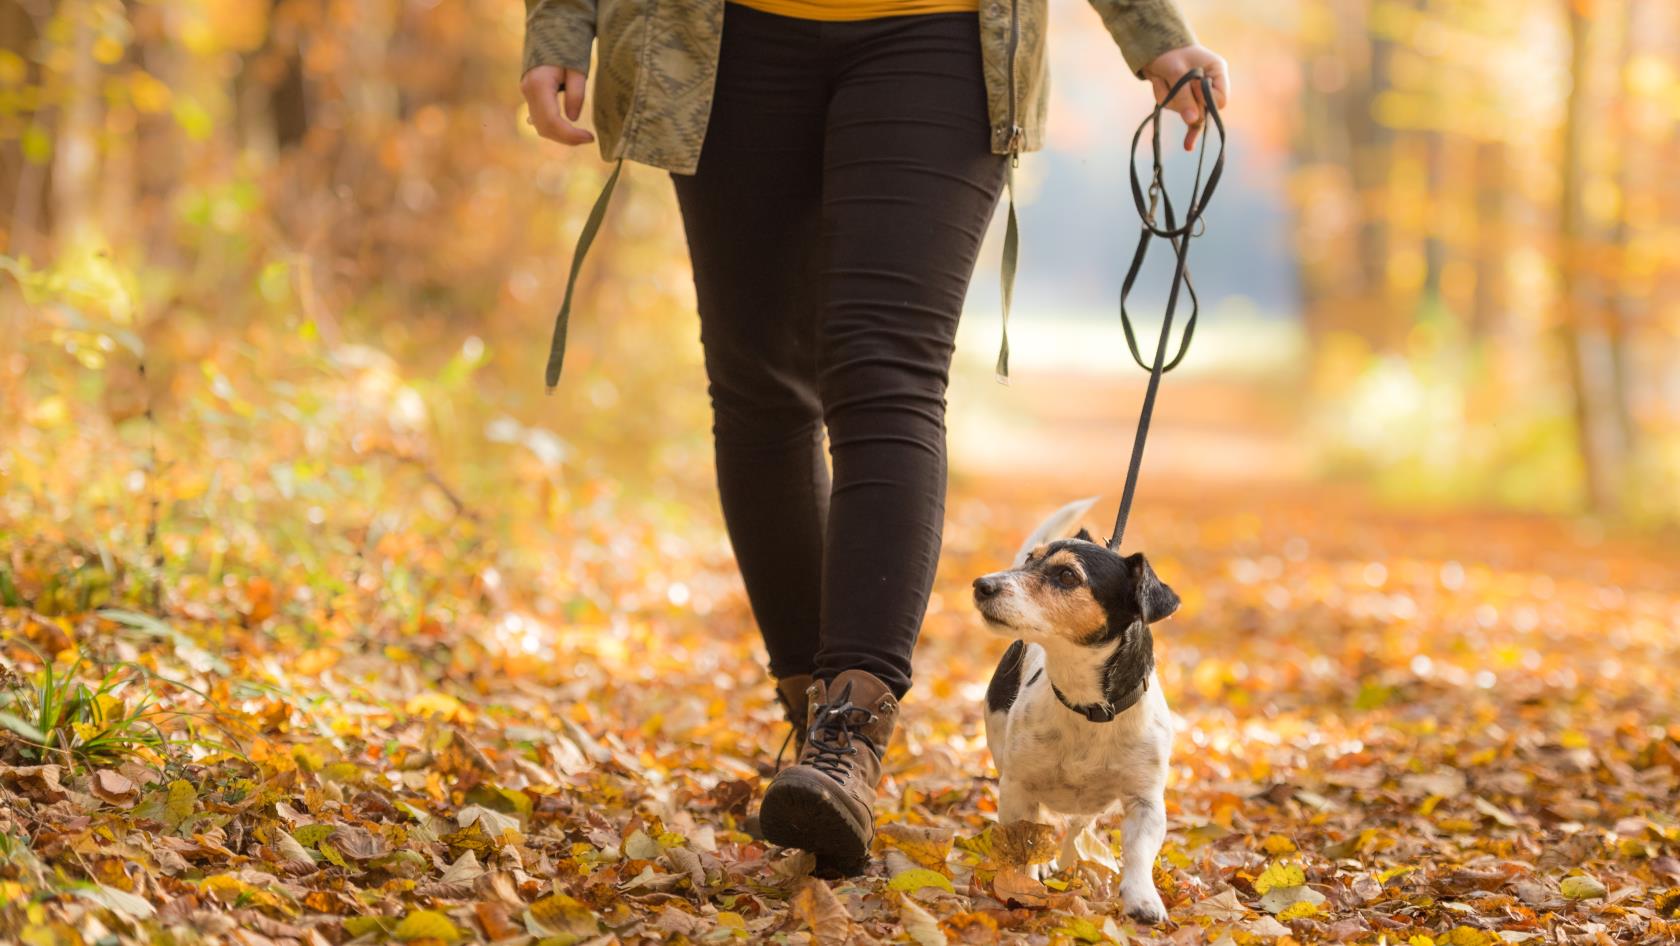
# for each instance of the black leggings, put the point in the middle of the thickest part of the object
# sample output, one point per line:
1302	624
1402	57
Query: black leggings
843	190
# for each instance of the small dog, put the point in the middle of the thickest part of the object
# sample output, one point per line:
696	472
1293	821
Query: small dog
1075	717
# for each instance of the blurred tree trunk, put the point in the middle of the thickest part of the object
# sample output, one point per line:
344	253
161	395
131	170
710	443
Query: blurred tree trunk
1371	151
1585	370
1623	308
278	75
75	146
23	182
1487	309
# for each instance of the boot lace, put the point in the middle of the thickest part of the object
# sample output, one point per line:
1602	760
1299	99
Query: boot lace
833	737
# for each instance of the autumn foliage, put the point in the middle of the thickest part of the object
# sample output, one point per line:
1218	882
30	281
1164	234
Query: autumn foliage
320	624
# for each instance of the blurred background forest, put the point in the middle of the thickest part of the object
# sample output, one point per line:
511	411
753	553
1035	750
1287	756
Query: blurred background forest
298	563
1445	265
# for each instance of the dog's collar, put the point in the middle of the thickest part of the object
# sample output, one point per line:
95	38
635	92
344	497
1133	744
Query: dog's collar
1105	711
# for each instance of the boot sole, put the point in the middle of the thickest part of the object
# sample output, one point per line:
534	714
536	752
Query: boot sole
799	813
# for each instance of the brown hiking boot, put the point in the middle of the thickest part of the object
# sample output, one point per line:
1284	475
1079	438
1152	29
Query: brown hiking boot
826	803
794	693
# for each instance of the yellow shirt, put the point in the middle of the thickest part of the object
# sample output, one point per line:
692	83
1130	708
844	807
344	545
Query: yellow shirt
858	9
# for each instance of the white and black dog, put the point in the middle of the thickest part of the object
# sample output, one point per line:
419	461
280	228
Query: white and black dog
1075	717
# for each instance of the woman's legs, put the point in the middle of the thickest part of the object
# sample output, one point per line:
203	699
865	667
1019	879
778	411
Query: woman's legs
909	185
752	217
842	195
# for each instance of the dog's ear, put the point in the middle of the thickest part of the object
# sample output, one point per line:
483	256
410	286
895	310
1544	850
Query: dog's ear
1154	598
1054	527
1084	534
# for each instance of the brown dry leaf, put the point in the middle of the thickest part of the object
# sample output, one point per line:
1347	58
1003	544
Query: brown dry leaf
39	782
294	857
494	918
1013	885
1023	843
822	912
114	788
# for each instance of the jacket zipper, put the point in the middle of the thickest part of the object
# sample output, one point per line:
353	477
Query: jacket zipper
1015	133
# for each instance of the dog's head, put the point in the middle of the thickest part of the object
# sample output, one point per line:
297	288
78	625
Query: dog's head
1075	590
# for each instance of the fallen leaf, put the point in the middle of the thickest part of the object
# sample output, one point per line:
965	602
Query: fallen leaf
919	924
427	925
1581	887
916	878
114	788
560	915
121	902
1280	899
822	912
1014	885
1279	874
927	846
1223	906
1023	843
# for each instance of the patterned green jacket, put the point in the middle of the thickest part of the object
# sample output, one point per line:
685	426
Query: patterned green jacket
657	61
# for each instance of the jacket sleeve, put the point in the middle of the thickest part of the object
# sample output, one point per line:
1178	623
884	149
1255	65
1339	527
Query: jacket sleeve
558	33
1144	29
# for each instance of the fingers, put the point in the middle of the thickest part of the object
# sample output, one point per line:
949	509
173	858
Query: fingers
1187	109
541	87
1219	78
575	82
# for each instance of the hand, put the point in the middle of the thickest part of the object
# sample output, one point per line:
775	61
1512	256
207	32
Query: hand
1171	66
543	86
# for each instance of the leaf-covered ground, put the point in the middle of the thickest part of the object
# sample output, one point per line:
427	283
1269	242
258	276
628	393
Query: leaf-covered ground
1394	728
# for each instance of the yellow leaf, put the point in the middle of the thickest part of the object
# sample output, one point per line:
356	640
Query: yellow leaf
729	919
363	925
1277	844
310	835
224	887
434	704
1301	909
1469	936
331	854
916	878
1581	887
926	846
182	798
1420	939
1393	872
425	924
1279	874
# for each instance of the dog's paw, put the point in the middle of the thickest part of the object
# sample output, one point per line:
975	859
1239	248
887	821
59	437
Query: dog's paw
1144	906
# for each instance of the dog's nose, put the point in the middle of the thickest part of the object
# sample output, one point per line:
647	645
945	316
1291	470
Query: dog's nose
986	587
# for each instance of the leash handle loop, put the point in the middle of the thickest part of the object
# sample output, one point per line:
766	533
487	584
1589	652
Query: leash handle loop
1178	237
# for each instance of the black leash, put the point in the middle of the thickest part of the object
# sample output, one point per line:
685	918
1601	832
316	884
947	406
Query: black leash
1179	237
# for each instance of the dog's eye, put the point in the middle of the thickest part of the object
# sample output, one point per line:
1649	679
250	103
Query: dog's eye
1067	577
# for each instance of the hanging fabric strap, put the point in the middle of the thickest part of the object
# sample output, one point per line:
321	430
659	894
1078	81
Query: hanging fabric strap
1011	252
591	226
1178	237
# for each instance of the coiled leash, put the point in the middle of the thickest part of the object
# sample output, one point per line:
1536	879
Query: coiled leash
1179	237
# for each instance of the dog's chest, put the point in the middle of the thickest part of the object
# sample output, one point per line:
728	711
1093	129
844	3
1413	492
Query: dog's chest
1076	767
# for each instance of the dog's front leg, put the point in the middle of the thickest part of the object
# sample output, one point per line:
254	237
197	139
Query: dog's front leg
1144	829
